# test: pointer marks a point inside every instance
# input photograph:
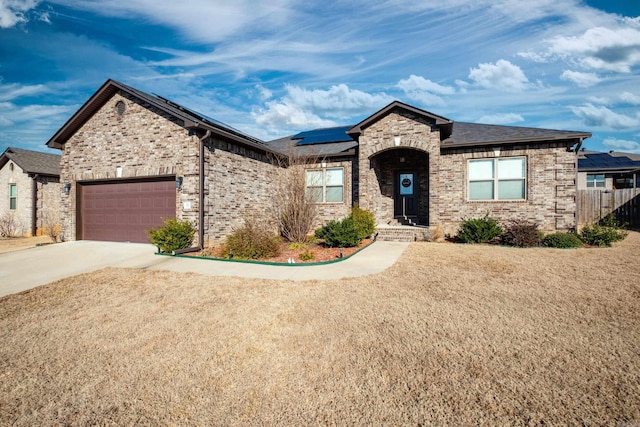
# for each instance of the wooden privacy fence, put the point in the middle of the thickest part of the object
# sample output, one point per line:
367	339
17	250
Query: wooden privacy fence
595	204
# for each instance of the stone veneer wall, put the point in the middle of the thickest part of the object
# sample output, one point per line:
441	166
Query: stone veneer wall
239	185
413	132
49	196
143	141
24	203
551	186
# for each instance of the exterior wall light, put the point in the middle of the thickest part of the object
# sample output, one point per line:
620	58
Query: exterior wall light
67	188
179	182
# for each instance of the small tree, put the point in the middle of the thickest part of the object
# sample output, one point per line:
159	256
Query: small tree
295	211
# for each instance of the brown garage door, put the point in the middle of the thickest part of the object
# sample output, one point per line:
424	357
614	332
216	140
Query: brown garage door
122	211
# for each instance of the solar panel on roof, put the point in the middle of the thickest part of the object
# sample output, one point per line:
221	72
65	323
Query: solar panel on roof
606	161
323	136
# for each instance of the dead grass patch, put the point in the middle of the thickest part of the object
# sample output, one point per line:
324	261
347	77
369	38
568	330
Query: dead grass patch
450	335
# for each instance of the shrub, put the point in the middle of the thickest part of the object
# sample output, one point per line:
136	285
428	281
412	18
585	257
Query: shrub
173	235
295	211
10	226
521	233
251	241
307	255
364	221
562	240
602	235
344	234
479	230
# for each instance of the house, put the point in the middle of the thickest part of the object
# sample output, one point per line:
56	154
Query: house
130	158
608	171
30	189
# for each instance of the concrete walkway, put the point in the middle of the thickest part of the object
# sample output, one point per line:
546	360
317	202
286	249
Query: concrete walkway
26	269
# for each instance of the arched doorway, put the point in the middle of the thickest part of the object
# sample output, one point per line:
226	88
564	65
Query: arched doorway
403	182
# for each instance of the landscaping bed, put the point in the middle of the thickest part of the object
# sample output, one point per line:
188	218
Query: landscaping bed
288	251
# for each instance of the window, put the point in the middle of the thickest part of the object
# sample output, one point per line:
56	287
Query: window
595	180
497	179
326	185
13	196
623	181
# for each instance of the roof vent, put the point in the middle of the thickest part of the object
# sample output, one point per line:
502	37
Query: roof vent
120	107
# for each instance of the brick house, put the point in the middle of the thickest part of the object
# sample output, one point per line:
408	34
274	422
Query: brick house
30	189
608	171
130	158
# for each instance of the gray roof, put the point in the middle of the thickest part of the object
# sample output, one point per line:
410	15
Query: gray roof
480	134
32	162
190	118
288	146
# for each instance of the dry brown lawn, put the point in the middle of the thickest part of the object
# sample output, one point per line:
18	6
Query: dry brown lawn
450	335
9	244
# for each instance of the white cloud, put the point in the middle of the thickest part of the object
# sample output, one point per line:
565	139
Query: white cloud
622	145
264	93
604	117
424	91
12	12
503	75
580	79
601	48
337	101
304	109
501	118
284	115
202	20
12	91
630	98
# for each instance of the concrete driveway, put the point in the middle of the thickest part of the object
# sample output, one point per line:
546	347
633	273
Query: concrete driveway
26	269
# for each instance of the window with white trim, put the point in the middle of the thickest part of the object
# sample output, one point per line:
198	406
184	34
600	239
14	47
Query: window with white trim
325	185
595	180
13	196
498	178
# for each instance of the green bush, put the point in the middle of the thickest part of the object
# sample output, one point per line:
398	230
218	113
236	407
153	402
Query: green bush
307	255
251	241
562	240
364	221
173	235
521	233
602	235
479	230
344	234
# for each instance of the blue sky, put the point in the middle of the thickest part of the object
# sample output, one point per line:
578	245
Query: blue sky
274	68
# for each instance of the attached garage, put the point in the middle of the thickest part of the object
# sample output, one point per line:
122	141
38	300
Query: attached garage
122	211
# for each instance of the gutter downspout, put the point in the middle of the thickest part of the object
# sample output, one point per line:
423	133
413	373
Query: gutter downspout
201	192
200	244
577	151
34	205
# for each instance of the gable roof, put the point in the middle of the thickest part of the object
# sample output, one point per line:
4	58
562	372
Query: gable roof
434	118
593	161
190	118
465	134
32	162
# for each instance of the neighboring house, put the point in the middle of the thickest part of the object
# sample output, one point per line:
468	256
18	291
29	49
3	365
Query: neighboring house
130	158
30	189
608	171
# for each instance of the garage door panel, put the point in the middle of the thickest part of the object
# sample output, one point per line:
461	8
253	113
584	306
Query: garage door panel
123	211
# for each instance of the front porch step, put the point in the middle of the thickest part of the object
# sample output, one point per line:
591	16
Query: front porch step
403	220
402	233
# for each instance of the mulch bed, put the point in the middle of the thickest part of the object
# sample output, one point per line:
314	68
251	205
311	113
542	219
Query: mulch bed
321	253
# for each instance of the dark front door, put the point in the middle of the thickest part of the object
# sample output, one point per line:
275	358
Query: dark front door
406	194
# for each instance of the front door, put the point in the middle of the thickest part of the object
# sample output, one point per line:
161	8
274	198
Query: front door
406	194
